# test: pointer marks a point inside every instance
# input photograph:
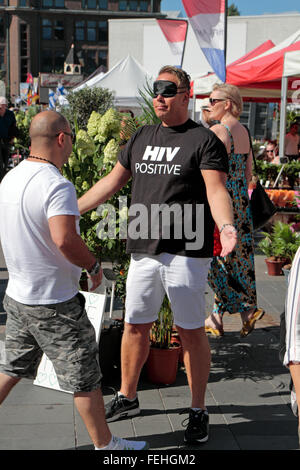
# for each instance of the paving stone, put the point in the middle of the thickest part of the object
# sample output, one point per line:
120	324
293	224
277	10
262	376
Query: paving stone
36	414
41	436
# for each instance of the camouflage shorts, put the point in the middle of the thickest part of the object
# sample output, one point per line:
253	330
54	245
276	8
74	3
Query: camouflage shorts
63	332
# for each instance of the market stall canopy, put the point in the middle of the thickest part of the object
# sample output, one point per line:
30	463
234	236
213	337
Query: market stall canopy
203	85
259	78
262	76
125	80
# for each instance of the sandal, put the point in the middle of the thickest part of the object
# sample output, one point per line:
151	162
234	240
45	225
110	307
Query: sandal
214	331
248	326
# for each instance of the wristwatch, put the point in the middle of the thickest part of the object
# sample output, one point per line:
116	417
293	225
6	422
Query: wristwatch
227	225
94	269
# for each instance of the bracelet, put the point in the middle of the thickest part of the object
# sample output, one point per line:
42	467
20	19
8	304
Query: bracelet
225	225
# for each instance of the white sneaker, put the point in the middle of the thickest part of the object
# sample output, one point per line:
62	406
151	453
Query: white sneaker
117	443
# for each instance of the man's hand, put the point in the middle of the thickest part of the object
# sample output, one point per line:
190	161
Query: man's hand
96	279
228	238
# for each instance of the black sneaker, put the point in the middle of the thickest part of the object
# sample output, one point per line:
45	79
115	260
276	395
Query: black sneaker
197	427
121	407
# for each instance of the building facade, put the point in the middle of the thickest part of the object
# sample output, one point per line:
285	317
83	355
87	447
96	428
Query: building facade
36	35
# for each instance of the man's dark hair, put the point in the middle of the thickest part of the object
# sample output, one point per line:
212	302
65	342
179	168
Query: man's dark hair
184	78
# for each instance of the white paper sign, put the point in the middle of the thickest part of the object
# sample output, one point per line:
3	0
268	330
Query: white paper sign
95	306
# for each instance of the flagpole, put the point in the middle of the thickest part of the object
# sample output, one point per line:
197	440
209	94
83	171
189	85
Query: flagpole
187	27
225	35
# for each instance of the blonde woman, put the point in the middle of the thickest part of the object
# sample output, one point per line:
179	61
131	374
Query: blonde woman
233	278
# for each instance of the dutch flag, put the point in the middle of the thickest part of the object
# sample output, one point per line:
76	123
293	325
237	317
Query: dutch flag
208	20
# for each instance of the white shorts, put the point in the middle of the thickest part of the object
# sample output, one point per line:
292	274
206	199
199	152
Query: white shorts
182	278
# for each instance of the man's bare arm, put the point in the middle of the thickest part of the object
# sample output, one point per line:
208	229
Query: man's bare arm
104	188
221	207
70	244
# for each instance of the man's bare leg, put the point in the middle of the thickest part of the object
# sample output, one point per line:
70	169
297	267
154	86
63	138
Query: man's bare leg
134	353
6	384
91	409
196	356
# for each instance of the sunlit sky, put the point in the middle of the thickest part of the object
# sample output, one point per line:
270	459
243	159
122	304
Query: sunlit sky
246	7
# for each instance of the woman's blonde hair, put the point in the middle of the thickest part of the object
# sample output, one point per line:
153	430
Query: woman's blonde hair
233	94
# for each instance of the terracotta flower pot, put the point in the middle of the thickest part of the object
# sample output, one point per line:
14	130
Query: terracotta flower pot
162	365
275	266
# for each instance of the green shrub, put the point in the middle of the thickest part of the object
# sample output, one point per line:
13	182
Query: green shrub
83	102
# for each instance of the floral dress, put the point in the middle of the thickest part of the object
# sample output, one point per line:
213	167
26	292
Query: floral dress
232	278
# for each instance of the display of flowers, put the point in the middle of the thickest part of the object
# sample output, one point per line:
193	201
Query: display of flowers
111	152
101	128
85	144
95	153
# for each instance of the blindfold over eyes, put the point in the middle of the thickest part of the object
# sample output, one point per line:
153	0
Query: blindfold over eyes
165	88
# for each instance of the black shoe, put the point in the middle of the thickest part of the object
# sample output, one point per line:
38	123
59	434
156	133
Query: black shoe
121	407
197	427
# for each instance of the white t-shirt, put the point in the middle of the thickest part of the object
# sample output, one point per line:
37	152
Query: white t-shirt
30	194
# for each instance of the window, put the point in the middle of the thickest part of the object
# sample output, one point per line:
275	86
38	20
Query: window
93	59
260	119
2	28
46	60
95	4
92	31
59	30
122	5
59	59
53	3
103	31
46	29
79	30
53	29
2	63
133	5
23	40
53	60
144	6
23	3
102	58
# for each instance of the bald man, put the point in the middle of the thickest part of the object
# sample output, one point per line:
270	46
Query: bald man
45	254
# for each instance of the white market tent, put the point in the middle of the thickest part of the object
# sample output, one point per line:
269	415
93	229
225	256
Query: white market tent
125	80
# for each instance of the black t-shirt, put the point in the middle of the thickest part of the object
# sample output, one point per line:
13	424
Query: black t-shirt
169	210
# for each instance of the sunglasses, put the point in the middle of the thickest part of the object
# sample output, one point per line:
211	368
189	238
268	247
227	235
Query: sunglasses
213	101
70	134
166	89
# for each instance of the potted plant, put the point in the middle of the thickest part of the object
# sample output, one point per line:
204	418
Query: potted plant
162	362
279	246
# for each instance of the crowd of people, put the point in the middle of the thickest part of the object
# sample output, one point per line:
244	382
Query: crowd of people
207	170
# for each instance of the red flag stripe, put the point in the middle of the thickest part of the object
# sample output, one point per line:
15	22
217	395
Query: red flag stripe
174	30
197	7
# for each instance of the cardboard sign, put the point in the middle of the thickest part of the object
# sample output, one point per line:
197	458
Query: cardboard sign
95	306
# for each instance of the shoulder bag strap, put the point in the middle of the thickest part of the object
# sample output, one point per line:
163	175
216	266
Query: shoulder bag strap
251	148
